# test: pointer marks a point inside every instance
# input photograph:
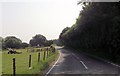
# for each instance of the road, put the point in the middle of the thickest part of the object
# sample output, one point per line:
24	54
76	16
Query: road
70	62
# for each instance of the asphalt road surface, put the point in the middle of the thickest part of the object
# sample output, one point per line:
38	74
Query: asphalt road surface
70	62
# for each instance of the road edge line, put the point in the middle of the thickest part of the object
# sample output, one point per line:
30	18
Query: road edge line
53	65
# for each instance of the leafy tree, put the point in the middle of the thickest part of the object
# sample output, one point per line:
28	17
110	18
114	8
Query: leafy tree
1	42
49	42
12	42
38	40
97	27
58	42
62	33
24	44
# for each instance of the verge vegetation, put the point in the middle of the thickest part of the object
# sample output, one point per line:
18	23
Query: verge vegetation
22	62
97	30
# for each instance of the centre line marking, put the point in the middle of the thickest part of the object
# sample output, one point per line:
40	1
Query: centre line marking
84	64
53	65
80	61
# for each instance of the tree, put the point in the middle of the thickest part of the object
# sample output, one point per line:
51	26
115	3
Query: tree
24	44
61	36
64	30
38	40
12	42
1	42
57	42
49	42
97	27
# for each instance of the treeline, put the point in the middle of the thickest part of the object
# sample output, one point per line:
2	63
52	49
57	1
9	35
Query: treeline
14	42
97	27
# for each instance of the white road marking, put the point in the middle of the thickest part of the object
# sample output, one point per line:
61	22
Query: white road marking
84	64
53	65
80	61
112	63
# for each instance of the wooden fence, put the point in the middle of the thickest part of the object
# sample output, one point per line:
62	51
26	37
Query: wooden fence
47	53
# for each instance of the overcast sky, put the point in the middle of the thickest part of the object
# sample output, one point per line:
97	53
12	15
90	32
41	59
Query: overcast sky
26	18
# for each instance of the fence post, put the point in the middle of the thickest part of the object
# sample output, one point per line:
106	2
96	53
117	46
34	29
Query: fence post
14	67
54	49
29	61
47	52
44	55
38	56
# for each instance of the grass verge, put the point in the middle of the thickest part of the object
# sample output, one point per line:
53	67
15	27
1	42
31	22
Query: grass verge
22	63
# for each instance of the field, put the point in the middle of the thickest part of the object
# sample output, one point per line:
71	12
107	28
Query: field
22	62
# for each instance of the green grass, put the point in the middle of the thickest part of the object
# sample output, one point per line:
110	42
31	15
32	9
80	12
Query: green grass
0	62
22	62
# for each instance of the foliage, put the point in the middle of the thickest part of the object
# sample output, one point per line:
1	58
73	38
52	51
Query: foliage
57	42
49	42
64	30
24	44
97	27
62	33
12	42
1	43
38	40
